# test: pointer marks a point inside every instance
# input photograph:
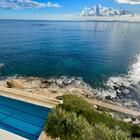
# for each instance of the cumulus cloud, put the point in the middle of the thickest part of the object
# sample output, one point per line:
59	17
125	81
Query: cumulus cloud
128	1
99	10
21	4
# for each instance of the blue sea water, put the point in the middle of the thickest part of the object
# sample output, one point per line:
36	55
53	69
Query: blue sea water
94	51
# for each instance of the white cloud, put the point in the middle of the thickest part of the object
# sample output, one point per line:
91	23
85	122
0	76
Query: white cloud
99	10
21	4
128	1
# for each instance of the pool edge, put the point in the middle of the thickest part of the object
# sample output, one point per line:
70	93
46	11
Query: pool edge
29	97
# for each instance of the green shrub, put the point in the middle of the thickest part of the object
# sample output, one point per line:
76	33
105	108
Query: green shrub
68	126
75	119
135	131
102	132
81	107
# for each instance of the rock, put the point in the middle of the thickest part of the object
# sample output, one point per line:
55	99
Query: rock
136	121
95	106
44	81
14	84
1	65
127	120
67	81
126	91
113	115
45	85
128	104
135	104
108	97
53	91
133	119
59	82
115	87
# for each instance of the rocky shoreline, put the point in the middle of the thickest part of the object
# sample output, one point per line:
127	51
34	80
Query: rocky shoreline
52	87
56	87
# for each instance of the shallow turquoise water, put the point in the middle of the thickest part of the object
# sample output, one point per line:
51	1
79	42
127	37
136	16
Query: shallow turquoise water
94	51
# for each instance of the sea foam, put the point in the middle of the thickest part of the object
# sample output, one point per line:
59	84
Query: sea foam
125	87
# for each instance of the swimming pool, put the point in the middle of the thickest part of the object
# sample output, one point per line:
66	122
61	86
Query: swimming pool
24	119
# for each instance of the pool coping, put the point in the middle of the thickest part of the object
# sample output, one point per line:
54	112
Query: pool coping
29	97
5	135
43	136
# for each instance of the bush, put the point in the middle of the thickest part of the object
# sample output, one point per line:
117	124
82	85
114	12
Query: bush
81	107
68	126
135	131
102	132
75	119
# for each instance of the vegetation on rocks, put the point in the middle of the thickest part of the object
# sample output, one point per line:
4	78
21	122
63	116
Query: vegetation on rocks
82	107
135	130
68	126
75	119
102	132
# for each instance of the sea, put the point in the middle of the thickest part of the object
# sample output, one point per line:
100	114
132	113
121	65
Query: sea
106	55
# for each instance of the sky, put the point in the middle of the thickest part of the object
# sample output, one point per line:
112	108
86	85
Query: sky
44	9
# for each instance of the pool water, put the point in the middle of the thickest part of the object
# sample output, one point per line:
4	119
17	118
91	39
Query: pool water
23	119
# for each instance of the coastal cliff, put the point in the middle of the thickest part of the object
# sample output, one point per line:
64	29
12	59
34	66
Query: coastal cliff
97	114
56	87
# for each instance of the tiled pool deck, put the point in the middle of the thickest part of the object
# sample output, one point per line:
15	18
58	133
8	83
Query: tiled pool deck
5	135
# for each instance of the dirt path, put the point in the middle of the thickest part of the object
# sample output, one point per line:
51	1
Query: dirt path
114	107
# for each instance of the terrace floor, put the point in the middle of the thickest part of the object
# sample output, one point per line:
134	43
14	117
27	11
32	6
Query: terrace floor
5	135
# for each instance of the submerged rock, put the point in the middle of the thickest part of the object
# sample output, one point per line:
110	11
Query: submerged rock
1	65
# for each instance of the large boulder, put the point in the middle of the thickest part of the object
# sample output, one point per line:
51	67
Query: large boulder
14	84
